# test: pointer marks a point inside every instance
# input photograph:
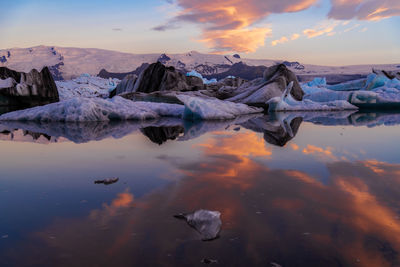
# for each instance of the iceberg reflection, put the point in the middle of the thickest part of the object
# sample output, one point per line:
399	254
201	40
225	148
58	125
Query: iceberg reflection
278	129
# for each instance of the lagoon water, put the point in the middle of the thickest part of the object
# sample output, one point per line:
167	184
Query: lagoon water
295	189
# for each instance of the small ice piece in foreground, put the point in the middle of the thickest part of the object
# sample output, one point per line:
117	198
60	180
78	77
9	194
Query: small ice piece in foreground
107	181
206	222
197	108
208	261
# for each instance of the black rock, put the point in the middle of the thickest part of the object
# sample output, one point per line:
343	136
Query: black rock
158	77
127	85
281	75
236	56
28	89
3	59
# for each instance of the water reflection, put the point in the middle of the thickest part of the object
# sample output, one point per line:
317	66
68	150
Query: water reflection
270	215
278	129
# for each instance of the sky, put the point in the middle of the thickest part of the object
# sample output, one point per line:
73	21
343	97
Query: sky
324	32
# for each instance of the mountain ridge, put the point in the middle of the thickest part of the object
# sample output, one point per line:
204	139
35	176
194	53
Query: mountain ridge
70	62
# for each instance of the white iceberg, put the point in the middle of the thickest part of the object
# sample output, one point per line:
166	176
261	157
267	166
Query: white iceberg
287	103
95	109
197	108
376	91
86	86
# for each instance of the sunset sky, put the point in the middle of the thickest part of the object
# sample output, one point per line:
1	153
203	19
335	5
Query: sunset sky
328	32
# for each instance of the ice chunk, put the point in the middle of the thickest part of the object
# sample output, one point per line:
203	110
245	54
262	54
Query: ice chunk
196	74
107	181
287	103
375	81
95	109
348	86
318	81
197	108
206	222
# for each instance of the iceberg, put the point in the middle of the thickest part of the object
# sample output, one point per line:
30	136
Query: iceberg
375	92
318	81
197	108
95	109
86	86
205	80
287	103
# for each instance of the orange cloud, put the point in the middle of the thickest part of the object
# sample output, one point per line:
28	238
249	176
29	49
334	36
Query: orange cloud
319	151
285	39
282	40
230	25
240	147
243	40
294	147
321	30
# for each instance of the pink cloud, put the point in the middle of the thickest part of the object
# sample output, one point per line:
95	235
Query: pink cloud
364	9
234	25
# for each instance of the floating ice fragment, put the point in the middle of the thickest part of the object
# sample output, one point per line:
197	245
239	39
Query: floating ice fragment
107	181
206	222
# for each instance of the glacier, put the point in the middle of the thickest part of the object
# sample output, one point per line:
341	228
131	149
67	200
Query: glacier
197	108
95	109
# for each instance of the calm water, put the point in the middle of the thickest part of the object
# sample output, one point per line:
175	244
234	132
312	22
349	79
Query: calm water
313	189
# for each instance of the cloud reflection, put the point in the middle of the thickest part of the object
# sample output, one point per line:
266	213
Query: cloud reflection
269	215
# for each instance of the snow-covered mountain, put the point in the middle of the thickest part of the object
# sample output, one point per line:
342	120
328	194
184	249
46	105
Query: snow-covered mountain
68	63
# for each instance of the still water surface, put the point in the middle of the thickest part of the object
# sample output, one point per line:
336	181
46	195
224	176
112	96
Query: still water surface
311	189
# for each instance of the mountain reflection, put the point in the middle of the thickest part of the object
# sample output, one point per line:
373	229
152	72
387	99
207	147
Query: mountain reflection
278	129
269	215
